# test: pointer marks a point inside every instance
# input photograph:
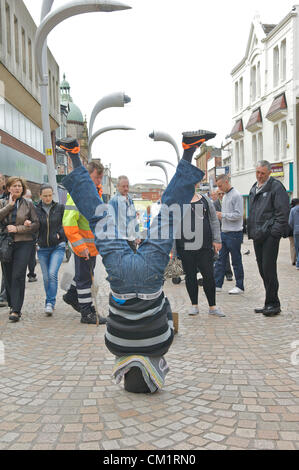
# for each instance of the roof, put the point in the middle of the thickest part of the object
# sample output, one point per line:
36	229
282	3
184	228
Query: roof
268	28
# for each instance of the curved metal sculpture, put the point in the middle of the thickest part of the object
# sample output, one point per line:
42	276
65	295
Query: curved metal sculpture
159	136
114	100
102	131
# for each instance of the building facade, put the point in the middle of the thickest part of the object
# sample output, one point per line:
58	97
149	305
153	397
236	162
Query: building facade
265	104
209	160
21	145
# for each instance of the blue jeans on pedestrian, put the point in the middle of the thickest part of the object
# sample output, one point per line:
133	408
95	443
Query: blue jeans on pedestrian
296	243
143	271
231	243
50	260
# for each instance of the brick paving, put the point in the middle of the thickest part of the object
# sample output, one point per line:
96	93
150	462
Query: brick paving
232	384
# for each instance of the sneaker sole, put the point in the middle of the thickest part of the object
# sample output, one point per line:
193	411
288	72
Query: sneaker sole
198	133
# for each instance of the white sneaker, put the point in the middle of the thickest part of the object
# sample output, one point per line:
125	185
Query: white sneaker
193	311
218	289
216	311
49	310
236	291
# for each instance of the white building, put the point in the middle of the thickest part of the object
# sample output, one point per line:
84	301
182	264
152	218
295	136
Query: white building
21	136
265	104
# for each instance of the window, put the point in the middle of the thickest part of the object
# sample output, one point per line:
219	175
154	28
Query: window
258	79
241	92
16	123
242	159
260	147
283	59
237	154
22	128
16	29
8	29
253	83
30	58
276	142
8	118
236	96
275	66
24	50
284	139
254	150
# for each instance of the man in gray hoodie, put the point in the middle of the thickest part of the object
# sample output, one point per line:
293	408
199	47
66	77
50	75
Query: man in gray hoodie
231	217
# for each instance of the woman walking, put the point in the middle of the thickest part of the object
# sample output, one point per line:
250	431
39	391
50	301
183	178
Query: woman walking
203	258
51	243
14	212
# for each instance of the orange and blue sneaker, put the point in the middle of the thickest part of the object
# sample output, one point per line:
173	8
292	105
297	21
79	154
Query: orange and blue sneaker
196	138
69	144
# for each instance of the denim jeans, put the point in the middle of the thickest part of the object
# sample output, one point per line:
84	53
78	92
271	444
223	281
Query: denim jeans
50	261
231	243
296	242
129	272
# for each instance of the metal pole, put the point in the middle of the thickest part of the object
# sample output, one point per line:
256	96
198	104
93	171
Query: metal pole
160	165
47	24
114	100
159	136
161	161
102	131
46	7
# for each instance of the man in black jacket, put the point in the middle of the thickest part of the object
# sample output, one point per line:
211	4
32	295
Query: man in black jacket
267	223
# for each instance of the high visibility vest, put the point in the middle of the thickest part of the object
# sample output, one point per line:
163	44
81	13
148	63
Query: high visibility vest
77	230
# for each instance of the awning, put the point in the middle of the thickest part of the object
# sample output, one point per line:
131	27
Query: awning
238	130
255	121
278	108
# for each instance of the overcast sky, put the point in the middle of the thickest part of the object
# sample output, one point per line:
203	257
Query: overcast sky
173	58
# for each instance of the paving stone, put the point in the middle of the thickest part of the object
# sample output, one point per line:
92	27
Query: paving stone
226	388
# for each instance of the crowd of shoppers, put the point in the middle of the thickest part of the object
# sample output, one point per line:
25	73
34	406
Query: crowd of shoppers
50	224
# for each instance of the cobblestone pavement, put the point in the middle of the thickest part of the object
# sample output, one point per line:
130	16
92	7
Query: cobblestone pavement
232	384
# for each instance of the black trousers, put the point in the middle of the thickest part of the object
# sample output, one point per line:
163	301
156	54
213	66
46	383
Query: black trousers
200	260
81	285
266	253
15	275
32	261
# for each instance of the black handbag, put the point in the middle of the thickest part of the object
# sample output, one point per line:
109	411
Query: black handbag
6	247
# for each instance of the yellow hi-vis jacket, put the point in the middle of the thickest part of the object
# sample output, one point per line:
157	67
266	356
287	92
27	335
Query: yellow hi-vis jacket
77	230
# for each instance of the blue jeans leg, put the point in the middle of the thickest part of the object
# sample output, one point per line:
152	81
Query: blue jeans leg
118	258
50	261
234	241
220	265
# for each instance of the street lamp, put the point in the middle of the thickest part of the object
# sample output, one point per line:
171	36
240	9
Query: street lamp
161	161
114	100
102	131
160	165
47	24
156	179
159	136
